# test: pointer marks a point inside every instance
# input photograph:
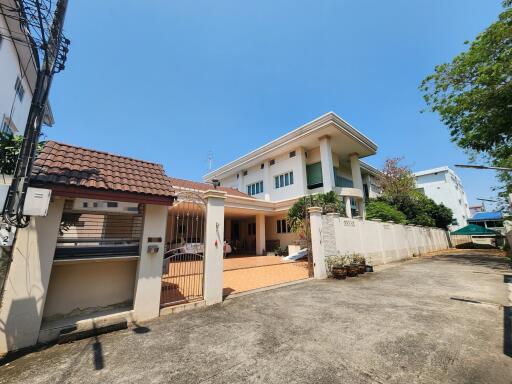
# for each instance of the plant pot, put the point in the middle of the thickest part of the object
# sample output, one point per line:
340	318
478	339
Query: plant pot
339	272
361	268
352	270
369	268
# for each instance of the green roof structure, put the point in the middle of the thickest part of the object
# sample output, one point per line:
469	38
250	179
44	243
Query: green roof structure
475	230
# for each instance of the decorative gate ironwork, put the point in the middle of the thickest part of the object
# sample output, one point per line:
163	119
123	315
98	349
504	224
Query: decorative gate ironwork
183	267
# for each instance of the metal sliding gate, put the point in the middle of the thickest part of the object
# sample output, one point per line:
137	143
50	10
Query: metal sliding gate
183	267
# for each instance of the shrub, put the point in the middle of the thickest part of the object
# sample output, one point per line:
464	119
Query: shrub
377	209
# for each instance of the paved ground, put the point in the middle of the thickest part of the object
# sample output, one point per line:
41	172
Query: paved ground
434	320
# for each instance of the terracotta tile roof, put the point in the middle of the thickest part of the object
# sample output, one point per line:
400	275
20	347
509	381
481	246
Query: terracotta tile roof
70	166
197	186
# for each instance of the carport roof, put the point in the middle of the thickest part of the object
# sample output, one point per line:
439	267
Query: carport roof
475	230
79	172
202	187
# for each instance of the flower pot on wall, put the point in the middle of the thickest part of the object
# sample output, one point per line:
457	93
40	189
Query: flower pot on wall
339	272
352	270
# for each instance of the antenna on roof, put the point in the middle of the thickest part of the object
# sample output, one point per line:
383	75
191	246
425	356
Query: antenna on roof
210	160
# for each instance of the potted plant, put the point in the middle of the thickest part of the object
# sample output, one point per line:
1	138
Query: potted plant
336	266
360	261
369	266
352	268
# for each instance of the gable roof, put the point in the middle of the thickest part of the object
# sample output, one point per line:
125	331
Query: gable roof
66	167
197	186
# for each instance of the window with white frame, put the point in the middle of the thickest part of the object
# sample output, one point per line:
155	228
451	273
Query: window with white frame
255	188
6	127
283	180
18	87
282	226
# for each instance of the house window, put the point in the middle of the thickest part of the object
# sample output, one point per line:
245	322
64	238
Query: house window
251	230
340	181
314	175
112	204
245	173
283	227
292	154
272	162
283	180
18	87
255	188
6	127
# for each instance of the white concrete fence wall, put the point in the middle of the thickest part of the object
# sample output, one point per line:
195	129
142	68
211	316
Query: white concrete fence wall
380	242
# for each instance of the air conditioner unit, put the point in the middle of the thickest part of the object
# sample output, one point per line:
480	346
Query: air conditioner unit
105	206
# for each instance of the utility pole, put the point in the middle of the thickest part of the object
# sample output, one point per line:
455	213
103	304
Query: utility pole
43	20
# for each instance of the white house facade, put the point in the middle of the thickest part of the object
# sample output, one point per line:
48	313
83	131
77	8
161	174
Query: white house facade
321	156
444	186
18	73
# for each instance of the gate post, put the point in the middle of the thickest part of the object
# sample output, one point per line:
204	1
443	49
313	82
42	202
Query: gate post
146	301
214	247
317	248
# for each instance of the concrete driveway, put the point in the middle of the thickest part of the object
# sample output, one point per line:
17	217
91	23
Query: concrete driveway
431	320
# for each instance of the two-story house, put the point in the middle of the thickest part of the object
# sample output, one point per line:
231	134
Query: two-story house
321	156
18	74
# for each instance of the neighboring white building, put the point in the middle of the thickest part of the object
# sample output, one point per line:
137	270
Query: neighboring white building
320	156
18	73
444	186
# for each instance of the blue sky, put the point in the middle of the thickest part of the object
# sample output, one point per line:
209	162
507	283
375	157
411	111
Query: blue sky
169	81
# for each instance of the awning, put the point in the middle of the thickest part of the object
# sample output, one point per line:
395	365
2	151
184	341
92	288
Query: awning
475	230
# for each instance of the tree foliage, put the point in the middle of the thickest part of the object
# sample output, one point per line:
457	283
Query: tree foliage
397	180
10	147
329	202
473	94
378	209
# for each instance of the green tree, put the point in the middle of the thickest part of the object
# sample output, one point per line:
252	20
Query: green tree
10	148
473	94
378	209
329	202
396	181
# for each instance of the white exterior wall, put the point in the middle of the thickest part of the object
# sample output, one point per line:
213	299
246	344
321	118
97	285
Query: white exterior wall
444	186
380	243
10	69
283	164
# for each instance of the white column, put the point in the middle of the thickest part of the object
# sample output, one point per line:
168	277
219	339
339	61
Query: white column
348	207
356	171
214	244
315	220
327	165
260	233
27	282
146	302
267	180
357	180
241	183
302	176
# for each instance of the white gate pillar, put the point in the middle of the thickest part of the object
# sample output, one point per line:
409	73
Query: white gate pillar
148	286
213	247
26	284
317	248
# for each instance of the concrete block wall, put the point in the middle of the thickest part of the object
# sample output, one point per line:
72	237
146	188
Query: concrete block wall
379	242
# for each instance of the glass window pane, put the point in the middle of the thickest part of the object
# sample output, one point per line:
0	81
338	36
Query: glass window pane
281	181
248	189
291	177
286	179
261	186
278	226
277	181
